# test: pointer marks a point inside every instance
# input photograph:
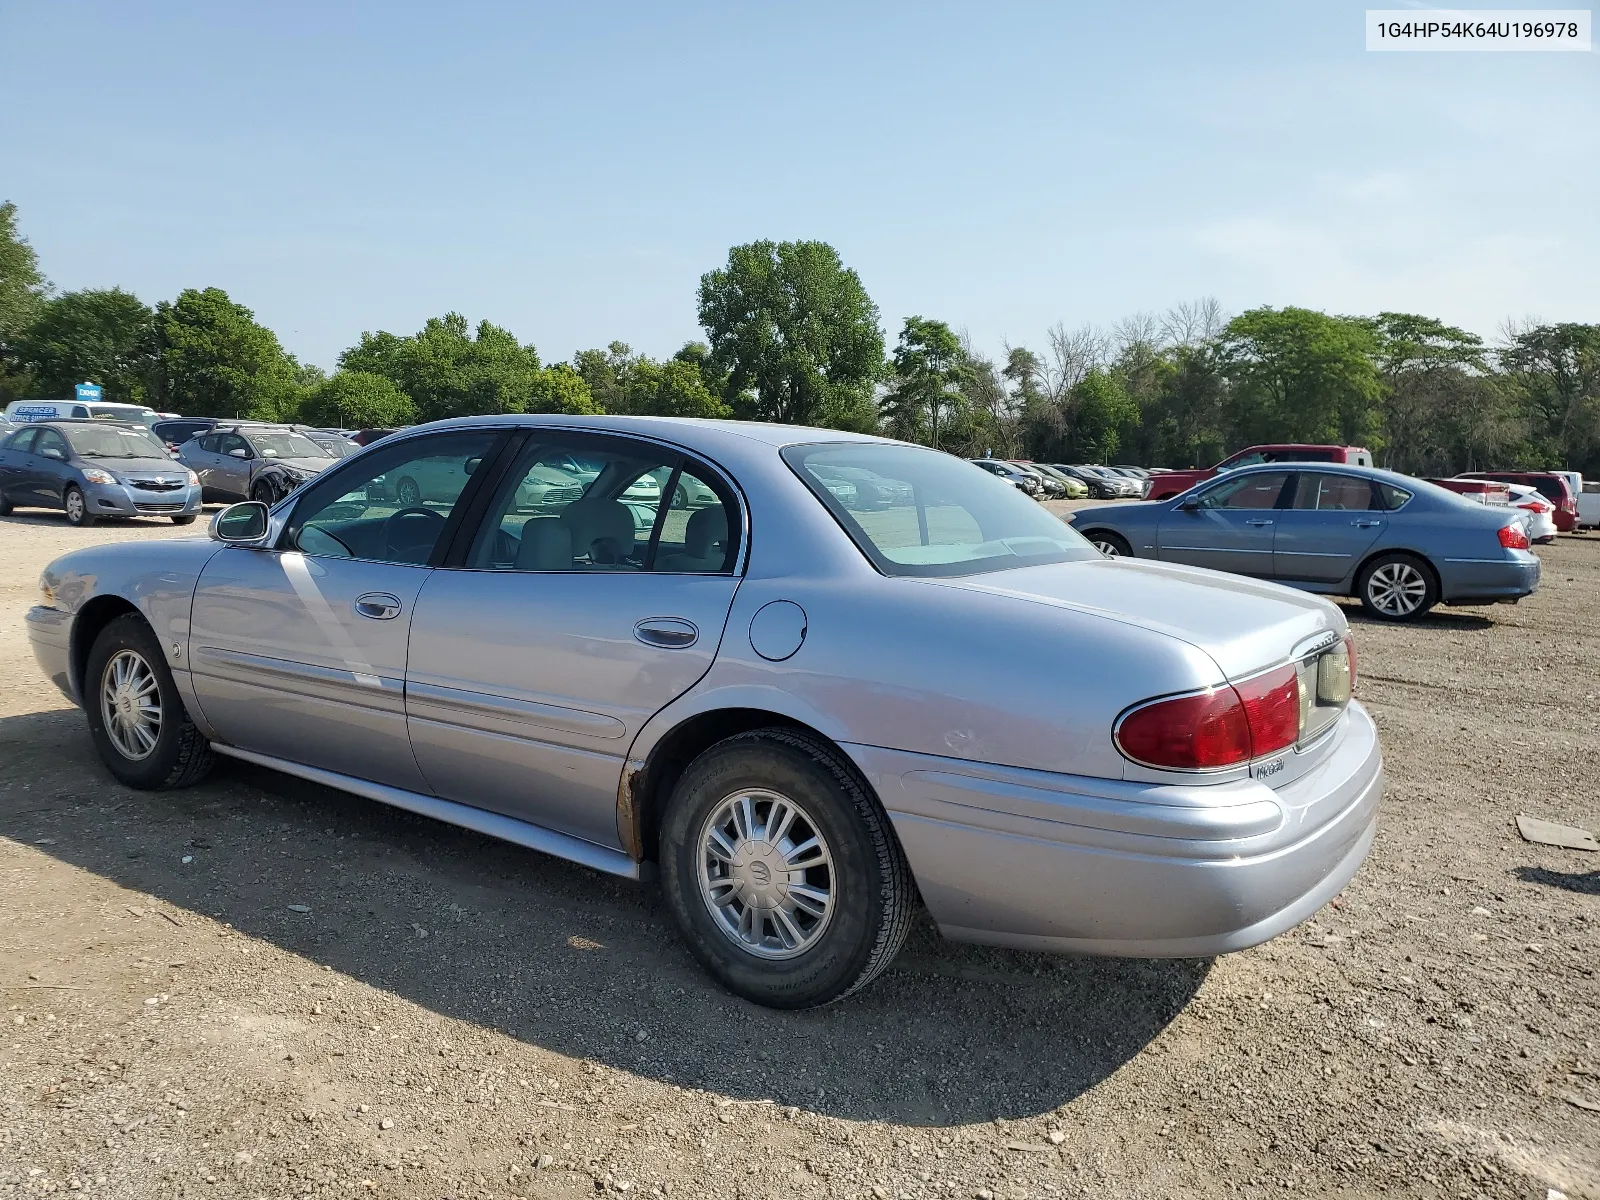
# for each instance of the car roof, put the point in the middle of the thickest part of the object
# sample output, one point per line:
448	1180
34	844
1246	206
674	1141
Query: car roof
82	421
1323	468
669	428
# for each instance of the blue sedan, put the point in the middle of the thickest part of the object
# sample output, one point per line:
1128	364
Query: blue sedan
1397	544
93	469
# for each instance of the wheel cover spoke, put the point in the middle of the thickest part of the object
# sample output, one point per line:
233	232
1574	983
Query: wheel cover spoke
766	874
130	705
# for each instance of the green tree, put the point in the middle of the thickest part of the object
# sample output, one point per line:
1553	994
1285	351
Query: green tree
671	389
358	400
1301	376
1555	370
212	359
100	335
1103	416
796	334
450	370
22	290
606	374
1434	401
925	389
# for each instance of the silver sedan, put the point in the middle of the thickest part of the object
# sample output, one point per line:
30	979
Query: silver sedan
804	716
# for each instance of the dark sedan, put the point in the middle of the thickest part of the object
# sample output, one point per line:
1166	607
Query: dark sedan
1399	545
92	469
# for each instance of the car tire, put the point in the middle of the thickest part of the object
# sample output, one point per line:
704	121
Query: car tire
77	506
5	507
406	493
1112	545
818	950
188	520
262	492
175	752
1397	587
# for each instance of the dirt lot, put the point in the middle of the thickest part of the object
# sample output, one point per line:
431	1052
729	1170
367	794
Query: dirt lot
258	987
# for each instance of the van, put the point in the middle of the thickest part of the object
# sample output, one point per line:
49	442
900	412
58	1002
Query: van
24	411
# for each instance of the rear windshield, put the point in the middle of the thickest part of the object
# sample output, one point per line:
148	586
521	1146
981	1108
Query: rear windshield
919	512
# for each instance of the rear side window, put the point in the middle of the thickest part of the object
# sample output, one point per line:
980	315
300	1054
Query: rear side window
1393	498
21	441
1339	493
1551	489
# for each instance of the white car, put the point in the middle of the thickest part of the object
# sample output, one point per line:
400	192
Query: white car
1589	505
1541	518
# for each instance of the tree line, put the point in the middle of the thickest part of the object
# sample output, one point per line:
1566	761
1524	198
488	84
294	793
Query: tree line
792	336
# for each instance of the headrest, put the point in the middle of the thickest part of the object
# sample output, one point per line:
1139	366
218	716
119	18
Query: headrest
601	529
546	546
707	528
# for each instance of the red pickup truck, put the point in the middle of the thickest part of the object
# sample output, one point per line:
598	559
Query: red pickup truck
1172	482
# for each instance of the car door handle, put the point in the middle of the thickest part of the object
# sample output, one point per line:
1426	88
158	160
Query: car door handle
669	633
1258	521
380	606
1366	524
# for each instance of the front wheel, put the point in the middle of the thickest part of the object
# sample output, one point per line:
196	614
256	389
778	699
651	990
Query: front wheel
187	520
77	507
1397	587
136	716
782	870
264	493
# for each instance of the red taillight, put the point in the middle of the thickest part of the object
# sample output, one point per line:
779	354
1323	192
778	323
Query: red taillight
1272	704
1514	537
1188	733
1220	728
1569	505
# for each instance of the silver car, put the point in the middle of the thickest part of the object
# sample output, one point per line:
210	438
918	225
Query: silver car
255	460
804	717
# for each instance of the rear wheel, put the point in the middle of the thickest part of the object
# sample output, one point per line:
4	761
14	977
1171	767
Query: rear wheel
5	506
782	870
77	508
1112	545
1397	587
188	520
407	493
136	717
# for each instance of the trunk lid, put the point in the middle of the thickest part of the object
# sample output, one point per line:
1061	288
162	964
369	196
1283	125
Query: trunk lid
1245	625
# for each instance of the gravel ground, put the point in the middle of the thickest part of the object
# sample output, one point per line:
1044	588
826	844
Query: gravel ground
262	988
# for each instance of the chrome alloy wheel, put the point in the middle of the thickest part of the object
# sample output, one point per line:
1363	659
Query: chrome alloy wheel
130	705
1397	589
766	874
1109	549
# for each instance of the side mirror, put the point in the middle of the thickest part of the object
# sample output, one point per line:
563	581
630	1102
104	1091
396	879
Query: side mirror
52	452
1192	504
238	452
242	524
472	464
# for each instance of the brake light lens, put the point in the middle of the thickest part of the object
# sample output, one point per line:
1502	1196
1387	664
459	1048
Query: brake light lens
1188	733
1514	537
1569	505
1272	704
1220	728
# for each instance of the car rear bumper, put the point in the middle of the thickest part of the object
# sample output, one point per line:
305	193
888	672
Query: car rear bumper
1467	580
118	500
50	635
1065	863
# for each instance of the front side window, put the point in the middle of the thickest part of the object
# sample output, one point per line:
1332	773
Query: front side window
227	443
275	444
919	512
108	441
393	504
583	503
50	444
22	441
1338	493
1252	491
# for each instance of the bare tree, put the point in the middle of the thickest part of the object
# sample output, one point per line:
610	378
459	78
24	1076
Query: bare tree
1193	323
1073	354
1139	332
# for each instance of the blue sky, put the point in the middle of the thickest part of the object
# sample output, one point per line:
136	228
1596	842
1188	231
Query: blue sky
569	171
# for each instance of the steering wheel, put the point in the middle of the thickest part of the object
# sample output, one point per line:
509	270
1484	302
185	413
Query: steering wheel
424	542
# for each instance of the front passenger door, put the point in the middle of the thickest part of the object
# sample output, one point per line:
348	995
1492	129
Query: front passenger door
1229	526
299	652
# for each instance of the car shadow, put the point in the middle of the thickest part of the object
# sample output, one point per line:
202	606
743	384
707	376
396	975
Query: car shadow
577	962
1436	618
1586	883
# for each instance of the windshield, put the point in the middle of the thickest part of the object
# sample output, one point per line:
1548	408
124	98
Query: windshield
338	447
933	514
111	441
124	412
285	445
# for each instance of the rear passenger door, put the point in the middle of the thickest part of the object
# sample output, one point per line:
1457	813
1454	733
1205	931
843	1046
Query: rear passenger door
1329	524
16	467
593	594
